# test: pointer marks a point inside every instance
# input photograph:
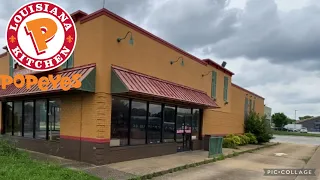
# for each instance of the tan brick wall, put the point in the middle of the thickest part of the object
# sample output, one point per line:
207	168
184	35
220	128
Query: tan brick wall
86	115
215	122
70	115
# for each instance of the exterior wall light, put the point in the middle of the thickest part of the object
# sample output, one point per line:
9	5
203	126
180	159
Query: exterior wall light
131	41
180	58
206	74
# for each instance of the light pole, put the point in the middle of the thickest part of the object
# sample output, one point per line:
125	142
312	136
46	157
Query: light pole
295	118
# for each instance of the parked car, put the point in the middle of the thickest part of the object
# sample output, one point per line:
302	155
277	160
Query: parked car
304	130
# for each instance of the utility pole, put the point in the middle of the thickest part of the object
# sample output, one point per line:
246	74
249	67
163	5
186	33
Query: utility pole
104	3
295	119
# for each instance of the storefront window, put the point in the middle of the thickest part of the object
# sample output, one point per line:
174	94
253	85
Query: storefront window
169	124
138	123
17	120
54	119
28	119
195	123
154	124
41	119
119	122
8	118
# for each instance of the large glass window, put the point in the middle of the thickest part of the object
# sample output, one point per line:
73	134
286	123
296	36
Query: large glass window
195	123
119	122
169	124
41	119
54	119
17	120
28	118
8	118
138	123
154	124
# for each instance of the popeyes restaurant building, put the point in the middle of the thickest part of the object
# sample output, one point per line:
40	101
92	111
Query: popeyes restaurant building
140	97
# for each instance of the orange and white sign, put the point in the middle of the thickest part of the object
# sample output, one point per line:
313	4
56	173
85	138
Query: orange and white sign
41	36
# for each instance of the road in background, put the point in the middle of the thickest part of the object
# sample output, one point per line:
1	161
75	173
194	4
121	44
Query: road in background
297	139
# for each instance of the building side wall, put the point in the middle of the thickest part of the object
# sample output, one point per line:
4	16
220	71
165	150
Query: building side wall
222	123
152	58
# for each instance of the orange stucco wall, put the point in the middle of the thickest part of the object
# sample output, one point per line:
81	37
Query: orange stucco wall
4	69
4	64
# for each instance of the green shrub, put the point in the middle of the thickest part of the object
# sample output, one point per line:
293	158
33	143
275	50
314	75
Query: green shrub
258	126
244	139
230	136
228	143
252	138
236	140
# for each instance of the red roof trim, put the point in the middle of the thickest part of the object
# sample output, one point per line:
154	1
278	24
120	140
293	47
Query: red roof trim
138	29
239	87
138	83
155	78
76	68
218	66
76	16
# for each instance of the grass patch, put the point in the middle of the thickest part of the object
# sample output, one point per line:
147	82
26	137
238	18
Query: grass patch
16	164
295	134
306	159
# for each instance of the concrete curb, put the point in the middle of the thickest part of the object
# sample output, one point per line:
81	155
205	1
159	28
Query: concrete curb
206	161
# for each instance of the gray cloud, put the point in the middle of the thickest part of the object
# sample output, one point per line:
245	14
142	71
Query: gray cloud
260	30
266	32
190	24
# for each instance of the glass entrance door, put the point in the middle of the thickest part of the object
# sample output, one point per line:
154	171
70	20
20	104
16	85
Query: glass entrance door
187	133
183	131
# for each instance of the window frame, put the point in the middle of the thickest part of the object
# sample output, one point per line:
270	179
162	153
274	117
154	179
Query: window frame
225	88
214	85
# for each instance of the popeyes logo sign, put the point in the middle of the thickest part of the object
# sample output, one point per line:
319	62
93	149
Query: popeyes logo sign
41	36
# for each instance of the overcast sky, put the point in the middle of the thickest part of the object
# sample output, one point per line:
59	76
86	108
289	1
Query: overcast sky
273	46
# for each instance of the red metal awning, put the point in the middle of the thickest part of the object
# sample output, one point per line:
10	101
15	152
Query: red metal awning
87	79
127	81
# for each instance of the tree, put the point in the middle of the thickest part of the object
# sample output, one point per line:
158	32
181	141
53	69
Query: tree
291	121
280	120
259	126
305	117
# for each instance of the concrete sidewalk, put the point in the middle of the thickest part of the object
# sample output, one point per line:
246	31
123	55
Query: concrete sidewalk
135	168
141	167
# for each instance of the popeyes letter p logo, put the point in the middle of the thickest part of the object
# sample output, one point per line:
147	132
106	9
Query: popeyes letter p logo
41	36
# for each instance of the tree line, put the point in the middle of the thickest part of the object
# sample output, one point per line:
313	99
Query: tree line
280	119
